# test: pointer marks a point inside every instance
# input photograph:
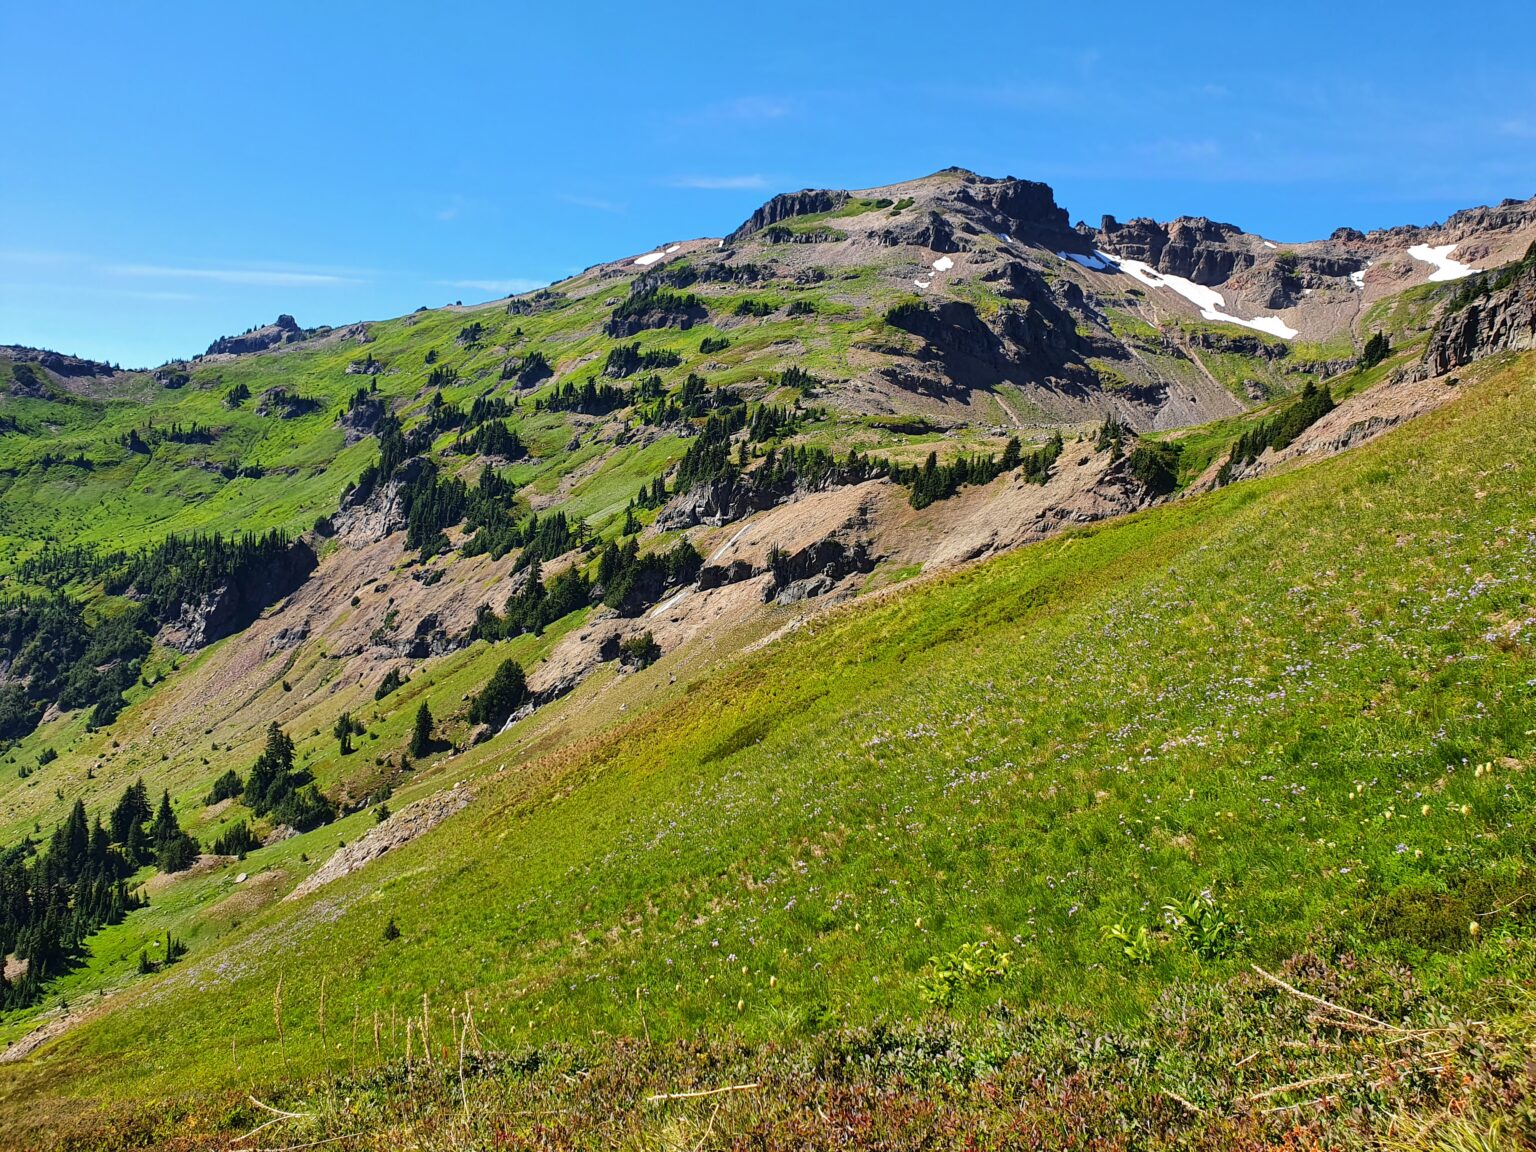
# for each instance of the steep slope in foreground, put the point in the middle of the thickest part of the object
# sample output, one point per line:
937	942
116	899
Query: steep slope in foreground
773	879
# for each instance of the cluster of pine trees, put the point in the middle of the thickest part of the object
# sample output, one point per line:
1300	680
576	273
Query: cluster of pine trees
275	787
503	694
494	438
143	443
589	398
933	481
55	654
288	794
627	359
529	370
50	903
535	605
653	306
708	457
181	570
629	582
52	654
1279	430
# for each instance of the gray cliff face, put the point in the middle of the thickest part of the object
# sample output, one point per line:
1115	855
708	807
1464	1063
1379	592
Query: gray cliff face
788	205
234	604
1496	314
1193	247
284	330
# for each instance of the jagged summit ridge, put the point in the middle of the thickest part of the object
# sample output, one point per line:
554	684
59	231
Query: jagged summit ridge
965	202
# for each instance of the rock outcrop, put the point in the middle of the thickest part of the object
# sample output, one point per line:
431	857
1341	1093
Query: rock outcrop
714	504
788	205
1495	313
360	418
1192	247
231	605
815	569
371	516
1032	337
400	828
1023	210
56	362
284	330
928	230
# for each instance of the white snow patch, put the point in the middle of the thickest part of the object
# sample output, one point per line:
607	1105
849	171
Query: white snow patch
1096	263
923	283
1003	236
1211	303
665	604
943	264
1440	257
719	244
720	551
649	258
673	249
1358	278
1270	244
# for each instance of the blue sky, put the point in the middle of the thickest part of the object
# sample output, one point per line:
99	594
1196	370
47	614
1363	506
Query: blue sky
173	172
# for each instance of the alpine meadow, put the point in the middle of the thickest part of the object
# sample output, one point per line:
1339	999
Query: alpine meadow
905	671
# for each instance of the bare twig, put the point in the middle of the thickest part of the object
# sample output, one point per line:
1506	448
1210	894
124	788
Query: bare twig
1189	1105
1505	907
463	1091
708	1128
278	1111
1311	999
705	1092
260	1128
1330	1078
277	1018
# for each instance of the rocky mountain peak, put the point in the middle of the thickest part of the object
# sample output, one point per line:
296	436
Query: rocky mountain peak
284	330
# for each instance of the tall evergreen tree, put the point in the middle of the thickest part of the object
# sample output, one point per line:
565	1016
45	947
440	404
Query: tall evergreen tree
174	849
343	733
421	734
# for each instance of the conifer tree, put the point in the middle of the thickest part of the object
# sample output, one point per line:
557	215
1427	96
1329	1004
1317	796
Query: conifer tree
421	734
343	732
174	849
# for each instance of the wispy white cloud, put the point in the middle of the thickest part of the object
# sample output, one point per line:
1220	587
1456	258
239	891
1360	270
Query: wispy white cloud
497	287
741	109
154	295
596	203
718	183
257	277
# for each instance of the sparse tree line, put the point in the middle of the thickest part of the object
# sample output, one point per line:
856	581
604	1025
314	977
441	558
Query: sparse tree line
144	442
51	902
1279	430
57	652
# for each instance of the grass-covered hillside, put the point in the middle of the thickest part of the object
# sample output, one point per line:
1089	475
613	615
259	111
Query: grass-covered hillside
997	855
545	689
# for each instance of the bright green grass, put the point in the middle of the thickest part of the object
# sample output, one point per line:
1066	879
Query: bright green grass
1228	693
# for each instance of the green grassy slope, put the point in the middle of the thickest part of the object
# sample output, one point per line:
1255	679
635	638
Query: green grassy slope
1229	694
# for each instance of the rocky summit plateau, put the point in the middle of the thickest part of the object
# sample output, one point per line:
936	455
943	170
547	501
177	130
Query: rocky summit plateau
912	669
